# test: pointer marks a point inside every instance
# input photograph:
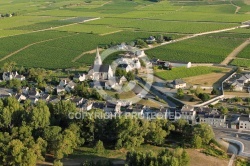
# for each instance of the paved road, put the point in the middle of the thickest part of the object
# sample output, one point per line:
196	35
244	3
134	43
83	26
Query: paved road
157	92
243	137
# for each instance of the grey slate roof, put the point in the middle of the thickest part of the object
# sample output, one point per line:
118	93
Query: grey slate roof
178	82
101	68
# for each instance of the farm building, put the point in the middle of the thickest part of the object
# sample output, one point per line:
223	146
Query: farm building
244	122
178	83
177	64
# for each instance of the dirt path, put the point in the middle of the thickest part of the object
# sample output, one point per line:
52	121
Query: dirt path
196	35
237	7
21	49
235	52
47	29
110	33
87	52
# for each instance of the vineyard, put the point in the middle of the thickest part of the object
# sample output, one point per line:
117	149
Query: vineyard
183	72
205	49
245	53
45	57
120	21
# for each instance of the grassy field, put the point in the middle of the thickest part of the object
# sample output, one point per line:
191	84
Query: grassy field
120	21
183	72
118	156
241	62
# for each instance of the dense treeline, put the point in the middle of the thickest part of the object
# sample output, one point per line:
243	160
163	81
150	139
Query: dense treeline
28	132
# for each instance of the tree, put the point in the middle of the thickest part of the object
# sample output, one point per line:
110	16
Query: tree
130	76
117	96
8	66
141	44
143	64
215	92
57	163
160	39
197	141
205	132
180	93
224	110
99	148
156	134
204	96
40	115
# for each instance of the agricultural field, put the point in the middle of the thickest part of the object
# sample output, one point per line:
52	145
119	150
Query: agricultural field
204	49
241	62
59	25
245	53
183	72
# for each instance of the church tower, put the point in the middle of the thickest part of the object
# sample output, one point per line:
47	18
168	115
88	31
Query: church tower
98	60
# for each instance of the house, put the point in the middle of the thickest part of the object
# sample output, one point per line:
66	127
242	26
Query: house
244	122
154	61
20	77
20	97
79	77
25	90
12	75
45	97
87	105
239	81
98	105
33	99
237	85
188	113
99	71
140	53
33	92
215	120
113	107
110	84
54	100
121	80
137	109
49	89
70	86
64	82
177	64
78	101
60	89
125	67
122	46
151	39
177	83
4	92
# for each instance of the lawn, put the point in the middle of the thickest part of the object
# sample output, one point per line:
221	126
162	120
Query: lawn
204	49
183	72
241	62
